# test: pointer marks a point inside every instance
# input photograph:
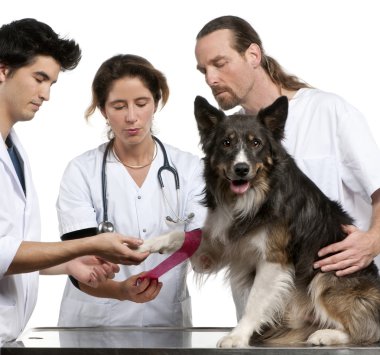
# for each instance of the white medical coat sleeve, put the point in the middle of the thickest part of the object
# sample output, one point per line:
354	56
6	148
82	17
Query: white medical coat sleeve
9	244
359	152
74	208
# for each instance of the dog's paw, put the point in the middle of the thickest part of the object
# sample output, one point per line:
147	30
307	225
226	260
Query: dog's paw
233	341
328	337
163	244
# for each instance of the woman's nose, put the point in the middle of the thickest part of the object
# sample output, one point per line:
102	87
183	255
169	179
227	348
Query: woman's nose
130	115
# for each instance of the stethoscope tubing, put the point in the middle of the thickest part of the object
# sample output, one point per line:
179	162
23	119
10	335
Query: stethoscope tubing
166	166
105	225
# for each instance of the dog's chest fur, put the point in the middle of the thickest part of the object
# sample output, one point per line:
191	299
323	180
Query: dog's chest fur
254	243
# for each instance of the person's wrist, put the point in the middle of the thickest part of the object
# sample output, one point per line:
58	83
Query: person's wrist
66	268
376	236
90	246
121	293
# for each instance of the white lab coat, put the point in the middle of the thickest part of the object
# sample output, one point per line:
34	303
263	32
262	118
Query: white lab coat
134	211
19	221
333	145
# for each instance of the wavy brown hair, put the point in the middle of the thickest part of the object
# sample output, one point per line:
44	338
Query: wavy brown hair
127	65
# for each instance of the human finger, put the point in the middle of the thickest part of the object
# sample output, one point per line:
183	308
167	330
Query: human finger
337	264
100	274
331	249
93	280
347	271
115	267
348	229
150	291
108	270
156	288
134	258
141	284
132	242
334	259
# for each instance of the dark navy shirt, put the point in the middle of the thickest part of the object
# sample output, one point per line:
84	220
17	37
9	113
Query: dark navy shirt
16	160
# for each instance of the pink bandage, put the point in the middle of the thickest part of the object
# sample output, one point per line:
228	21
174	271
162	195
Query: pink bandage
188	248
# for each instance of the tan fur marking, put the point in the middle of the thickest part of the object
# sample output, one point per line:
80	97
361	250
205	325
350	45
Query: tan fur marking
259	166
352	304
278	238
261	180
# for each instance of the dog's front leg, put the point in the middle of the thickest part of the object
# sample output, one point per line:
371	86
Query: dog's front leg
266	300
164	244
208	257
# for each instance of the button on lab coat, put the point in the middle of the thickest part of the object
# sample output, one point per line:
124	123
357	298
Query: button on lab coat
135	211
19	221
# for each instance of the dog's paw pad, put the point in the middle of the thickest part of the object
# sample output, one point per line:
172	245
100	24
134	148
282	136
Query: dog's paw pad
143	248
233	341
328	337
149	245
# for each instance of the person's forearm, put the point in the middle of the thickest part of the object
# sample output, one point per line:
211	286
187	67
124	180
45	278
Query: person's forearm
55	270
375	222
107	289
34	256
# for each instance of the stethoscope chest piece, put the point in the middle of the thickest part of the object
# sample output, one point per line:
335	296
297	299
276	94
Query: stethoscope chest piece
106	227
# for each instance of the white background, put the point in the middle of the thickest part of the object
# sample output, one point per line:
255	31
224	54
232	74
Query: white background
332	44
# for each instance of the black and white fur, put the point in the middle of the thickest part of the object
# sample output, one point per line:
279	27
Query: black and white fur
266	222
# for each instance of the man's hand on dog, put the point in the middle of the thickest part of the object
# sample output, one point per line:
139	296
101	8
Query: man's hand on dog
352	254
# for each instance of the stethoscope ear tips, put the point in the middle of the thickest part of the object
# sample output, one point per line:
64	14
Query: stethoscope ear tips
106	227
179	220
169	219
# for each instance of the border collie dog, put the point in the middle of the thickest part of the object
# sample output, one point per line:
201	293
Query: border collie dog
266	222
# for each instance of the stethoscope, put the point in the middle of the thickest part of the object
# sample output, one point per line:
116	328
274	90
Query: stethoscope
106	225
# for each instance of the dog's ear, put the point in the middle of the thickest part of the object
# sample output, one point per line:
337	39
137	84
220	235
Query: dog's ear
206	115
274	117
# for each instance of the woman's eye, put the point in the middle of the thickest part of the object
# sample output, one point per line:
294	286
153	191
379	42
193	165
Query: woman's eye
141	105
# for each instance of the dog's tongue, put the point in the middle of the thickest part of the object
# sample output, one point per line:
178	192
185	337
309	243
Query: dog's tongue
239	186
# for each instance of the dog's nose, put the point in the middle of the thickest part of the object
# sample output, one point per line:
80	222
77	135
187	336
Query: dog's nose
241	169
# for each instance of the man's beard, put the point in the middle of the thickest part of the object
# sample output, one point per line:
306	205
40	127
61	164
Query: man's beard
226	102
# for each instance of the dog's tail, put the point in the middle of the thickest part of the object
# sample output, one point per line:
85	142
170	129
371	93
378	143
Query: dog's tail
283	335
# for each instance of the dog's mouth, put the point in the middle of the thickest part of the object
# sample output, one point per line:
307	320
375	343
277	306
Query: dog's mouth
240	186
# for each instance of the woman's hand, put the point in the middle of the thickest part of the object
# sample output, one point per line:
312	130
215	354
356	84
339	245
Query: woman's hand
139	292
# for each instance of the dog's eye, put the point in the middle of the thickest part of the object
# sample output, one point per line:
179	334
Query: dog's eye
256	142
227	143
